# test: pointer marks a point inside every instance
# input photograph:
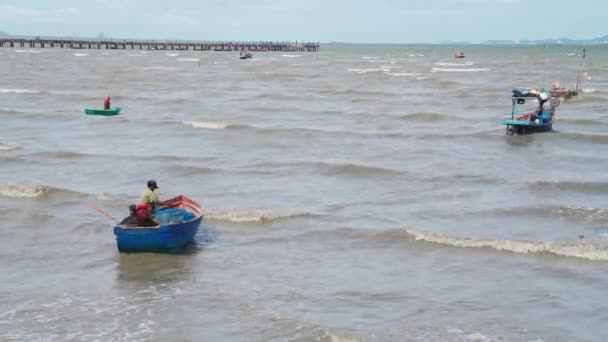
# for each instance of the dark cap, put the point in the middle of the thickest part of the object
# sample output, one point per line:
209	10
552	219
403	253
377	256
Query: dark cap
152	184
132	208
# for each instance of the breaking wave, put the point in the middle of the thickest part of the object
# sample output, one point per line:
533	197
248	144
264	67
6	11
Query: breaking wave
27	51
255	216
188	59
34	191
588	90
459	69
14	191
365	71
455	64
401	74
5	147
595	252
18	91
207	125
575	249
81	54
292	56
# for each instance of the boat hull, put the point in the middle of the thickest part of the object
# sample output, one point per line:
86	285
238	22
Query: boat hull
515	127
165	238
103	112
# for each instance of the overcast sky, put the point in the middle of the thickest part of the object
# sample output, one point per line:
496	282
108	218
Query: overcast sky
378	21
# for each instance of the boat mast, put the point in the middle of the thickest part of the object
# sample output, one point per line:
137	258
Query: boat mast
578	76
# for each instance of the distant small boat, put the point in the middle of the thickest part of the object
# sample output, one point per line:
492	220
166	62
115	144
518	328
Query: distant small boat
459	55
536	116
245	55
168	236
560	91
104	112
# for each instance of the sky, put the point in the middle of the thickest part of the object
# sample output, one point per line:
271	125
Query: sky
354	21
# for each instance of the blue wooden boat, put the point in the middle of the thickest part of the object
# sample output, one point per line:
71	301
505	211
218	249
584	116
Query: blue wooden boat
532	111
167	237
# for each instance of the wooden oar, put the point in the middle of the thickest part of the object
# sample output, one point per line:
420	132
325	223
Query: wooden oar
105	214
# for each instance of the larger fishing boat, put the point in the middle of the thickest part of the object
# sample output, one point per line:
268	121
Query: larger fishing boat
560	91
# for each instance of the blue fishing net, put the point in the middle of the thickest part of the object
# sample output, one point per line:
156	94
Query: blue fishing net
166	216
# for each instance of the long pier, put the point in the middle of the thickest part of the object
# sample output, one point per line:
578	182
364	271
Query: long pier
131	44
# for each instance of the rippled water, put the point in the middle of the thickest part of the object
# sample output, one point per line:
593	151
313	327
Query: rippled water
360	193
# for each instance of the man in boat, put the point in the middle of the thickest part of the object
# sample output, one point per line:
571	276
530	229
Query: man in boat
150	199
132	218
143	218
106	102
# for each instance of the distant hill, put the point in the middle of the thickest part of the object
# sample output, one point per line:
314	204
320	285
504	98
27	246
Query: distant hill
450	42
601	40
562	41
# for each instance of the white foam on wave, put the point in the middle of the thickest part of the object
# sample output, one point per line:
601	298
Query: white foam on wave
365	71
587	251
81	54
14	191
292	56
136	55
207	125
27	51
455	64
188	59
18	91
253	215
588	90
5	147
172	54
401	74
370	57
459	69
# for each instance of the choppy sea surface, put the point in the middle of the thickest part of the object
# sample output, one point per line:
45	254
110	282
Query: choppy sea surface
362	193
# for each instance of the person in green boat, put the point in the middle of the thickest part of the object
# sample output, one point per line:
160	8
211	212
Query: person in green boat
106	102
151	200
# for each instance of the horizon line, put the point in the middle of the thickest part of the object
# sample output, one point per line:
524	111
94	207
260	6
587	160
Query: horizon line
548	41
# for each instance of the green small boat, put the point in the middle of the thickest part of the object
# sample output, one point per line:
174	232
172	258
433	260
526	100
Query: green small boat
106	112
